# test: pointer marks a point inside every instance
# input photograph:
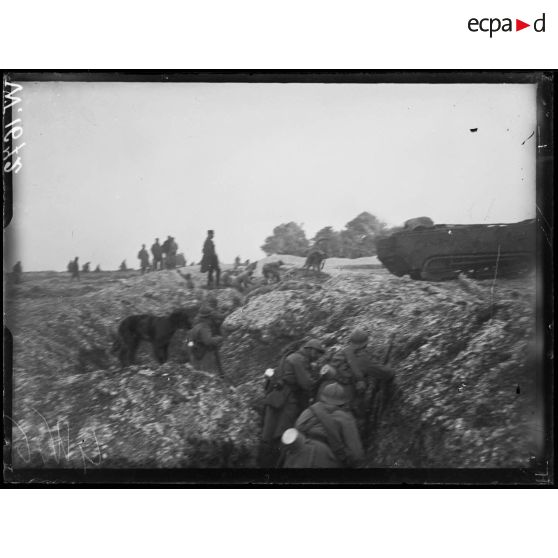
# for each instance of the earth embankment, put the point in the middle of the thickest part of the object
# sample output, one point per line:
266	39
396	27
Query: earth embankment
464	393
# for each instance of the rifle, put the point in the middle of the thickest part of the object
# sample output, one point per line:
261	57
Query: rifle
390	347
220	367
376	406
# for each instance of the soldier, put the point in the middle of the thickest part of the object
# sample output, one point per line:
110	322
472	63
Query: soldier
73	268
315	260
328	422
210	261
165	247
188	278
17	272
123	266
237	262
353	369
288	394
85	267
301	452
227	278
97	269
143	257
205	335
243	281
271	271
157	252
171	256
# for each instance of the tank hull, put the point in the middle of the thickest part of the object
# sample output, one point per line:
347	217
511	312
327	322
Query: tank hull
442	252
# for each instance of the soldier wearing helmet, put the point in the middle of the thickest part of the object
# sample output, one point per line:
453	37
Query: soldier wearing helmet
330	423
288	394
271	271
205	336
353	368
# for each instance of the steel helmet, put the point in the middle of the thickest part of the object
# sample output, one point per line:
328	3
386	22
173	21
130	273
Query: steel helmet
205	311
359	338
334	394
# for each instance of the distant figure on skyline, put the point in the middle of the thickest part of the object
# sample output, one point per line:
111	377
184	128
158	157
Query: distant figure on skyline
171	253
143	257
85	268
73	268
123	266
237	262
98	269
210	261
17	272
157	252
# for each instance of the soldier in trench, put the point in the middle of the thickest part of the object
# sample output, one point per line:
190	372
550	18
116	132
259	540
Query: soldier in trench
288	394
243	281
271	271
353	368
156	251
325	434
206	337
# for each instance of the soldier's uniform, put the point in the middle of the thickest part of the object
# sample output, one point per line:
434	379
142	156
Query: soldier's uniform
306	453
289	394
210	261
329	421
143	257
157	252
353	369
206	337
271	271
242	281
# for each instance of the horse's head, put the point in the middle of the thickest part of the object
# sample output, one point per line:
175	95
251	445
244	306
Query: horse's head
181	319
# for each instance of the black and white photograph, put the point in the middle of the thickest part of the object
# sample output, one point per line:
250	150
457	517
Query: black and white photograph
333	277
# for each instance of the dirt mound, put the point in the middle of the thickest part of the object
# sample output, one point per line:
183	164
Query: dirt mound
464	392
168	416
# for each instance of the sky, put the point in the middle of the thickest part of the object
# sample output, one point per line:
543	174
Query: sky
107	167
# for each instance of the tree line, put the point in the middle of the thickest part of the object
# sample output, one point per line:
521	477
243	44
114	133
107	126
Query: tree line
358	239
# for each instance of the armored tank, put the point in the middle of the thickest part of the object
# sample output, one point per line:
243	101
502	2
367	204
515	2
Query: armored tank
441	252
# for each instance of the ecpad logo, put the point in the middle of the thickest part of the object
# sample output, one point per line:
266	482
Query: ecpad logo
494	24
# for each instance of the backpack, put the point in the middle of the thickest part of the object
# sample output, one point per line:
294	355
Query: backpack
333	439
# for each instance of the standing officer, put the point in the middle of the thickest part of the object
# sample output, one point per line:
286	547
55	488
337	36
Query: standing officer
210	261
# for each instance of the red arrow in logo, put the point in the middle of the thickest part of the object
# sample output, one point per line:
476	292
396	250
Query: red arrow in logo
519	25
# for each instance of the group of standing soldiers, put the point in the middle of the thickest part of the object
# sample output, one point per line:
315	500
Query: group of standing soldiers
316	419
164	255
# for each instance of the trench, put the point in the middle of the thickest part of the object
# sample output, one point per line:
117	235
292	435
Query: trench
454	402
